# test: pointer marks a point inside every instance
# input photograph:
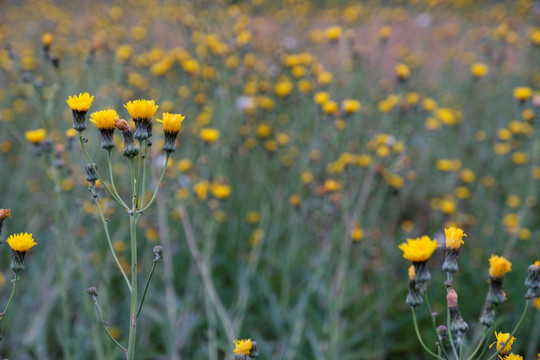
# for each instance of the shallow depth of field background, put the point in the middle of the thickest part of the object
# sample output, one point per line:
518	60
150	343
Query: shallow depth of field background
303	251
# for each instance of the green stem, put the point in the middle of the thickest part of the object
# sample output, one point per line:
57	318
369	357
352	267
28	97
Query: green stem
146	287
133	236
118	200
14	281
415	322
479	346
143	184
157	186
450	332
111	247
513	331
106	327
112	179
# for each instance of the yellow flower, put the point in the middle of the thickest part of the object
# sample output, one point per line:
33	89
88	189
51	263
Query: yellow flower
71	133
501	339
333	33
321	97
331	185
330	107
385	32
295	200
350	105
221	191
419	249
283	88
104	119
454	237
81	103
512	356
209	135
171	122
479	70
21	242
498	266
141	109
243	347
402	71
35	136
522	93
47	39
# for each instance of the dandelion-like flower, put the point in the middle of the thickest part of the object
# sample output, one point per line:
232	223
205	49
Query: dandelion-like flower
142	111
419	251
209	135
245	348
512	356
35	136
104	120
20	244
522	93
402	71
499	266
79	105
171	126
479	70
351	106
503	338
454	240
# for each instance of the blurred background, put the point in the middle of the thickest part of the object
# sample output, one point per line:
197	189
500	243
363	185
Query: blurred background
318	136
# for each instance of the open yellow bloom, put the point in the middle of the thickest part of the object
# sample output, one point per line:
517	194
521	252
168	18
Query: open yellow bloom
141	109
498	266
21	242
104	119
209	135
522	93
82	102
512	356
504	338
171	122
35	136
419	249
243	347
454	237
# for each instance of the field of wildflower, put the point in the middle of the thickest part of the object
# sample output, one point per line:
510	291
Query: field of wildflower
283	179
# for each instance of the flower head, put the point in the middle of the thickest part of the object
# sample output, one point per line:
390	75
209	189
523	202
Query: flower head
171	122
479	70
141	109
522	93
209	135
498	266
512	356
454	237
21	242
243	347
351	105
419	249
503	338
35	136
104	119
402	71
81	103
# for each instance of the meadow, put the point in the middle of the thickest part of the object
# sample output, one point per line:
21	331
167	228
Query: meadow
317	137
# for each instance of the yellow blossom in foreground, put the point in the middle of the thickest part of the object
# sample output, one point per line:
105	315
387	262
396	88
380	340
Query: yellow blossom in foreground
243	347
209	135
35	136
498	266
419	249
104	119
82	102
171	122
504	338
141	109
454	237
21	242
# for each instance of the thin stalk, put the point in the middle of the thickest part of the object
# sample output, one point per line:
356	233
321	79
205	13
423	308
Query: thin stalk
479	346
157	186
112	179
415	322
143	184
139	166
118	200
106	327
111	247
513	331
133	237
14	281
450	332
146	287
209	287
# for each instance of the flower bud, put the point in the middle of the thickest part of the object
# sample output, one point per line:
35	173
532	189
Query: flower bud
91	175
158	252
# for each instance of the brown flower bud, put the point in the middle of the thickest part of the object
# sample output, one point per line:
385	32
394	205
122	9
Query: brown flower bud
452	298
121	125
